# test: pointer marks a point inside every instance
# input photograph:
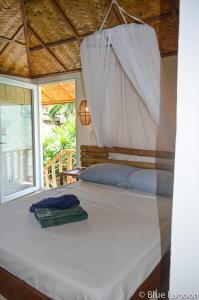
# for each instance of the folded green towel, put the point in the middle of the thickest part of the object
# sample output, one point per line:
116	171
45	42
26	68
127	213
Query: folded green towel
53	217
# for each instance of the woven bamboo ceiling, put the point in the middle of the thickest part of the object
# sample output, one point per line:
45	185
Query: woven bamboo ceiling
42	37
58	93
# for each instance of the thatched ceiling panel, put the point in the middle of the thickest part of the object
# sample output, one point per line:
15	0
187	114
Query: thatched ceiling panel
167	34
2	45
69	86
21	38
145	9
58	93
57	23
17	62
69	55
43	63
46	22
10	17
86	16
33	41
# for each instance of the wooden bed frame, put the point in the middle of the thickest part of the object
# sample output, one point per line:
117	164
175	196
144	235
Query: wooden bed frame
163	160
13	288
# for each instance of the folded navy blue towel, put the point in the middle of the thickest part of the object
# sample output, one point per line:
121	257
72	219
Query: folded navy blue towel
61	202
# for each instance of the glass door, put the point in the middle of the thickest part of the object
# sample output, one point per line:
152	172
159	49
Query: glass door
16	141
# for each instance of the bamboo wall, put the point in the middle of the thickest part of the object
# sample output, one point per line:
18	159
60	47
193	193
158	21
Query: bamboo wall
10	95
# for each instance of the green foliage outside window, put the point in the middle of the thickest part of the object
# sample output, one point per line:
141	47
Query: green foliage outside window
61	136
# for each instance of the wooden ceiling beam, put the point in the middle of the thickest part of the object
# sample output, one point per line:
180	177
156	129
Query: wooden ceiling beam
164	54
73	39
17	33
26	34
4	39
64	18
46	48
108	1
55	73
59	42
13	39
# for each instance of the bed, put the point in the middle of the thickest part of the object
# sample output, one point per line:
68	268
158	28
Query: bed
111	256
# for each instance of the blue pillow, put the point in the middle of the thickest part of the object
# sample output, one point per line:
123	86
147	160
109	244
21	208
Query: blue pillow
107	173
151	181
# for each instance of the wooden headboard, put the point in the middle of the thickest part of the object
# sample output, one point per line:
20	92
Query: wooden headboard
163	160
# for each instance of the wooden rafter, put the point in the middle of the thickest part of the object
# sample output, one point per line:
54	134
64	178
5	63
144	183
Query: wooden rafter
47	75
73	39
4	39
26	34
164	54
164	20
4	48
46	47
13	39
57	43
55	73
64	17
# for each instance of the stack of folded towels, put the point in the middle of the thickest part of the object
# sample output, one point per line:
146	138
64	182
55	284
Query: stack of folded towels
55	211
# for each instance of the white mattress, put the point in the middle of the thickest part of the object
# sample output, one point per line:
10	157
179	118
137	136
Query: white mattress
106	257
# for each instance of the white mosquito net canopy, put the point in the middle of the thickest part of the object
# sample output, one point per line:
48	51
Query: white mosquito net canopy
126	88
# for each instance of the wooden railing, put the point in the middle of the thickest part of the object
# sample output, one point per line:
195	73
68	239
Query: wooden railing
64	160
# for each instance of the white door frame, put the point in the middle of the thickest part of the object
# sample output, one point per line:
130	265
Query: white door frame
84	134
37	156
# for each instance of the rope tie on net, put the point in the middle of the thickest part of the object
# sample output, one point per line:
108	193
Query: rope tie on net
122	12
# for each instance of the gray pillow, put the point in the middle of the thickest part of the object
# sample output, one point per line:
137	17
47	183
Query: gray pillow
107	173
151	181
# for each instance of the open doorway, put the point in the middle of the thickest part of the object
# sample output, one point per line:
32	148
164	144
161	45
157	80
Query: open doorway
58	130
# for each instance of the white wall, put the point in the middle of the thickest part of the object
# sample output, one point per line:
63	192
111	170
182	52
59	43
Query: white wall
170	67
185	223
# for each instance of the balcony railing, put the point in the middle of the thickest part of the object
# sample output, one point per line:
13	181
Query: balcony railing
64	160
17	165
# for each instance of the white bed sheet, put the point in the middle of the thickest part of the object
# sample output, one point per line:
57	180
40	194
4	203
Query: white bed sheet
106	257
